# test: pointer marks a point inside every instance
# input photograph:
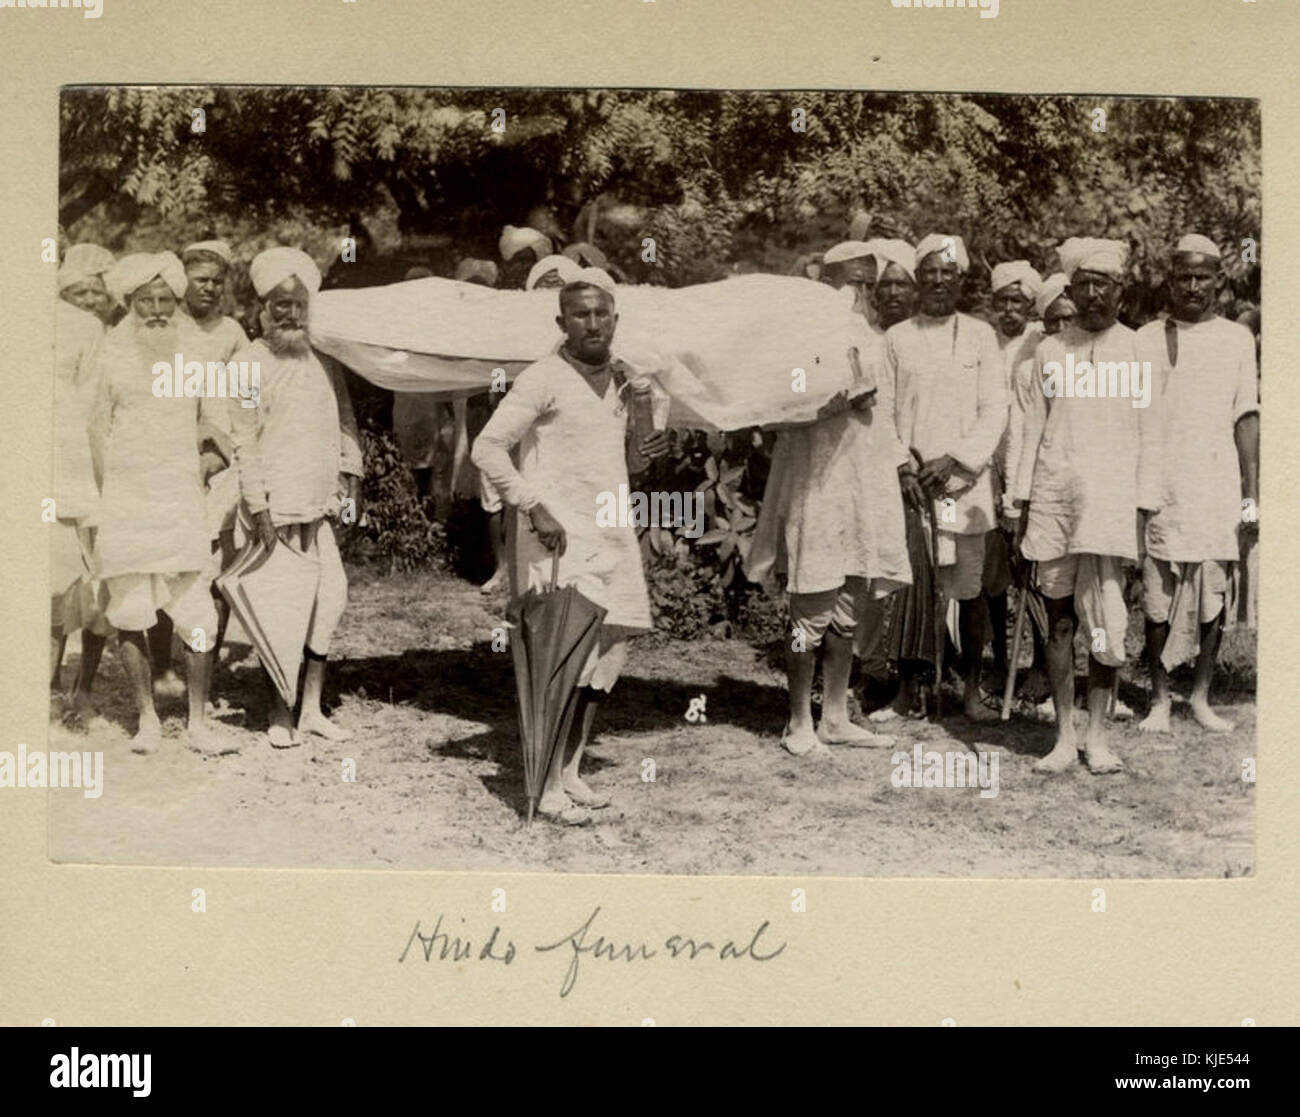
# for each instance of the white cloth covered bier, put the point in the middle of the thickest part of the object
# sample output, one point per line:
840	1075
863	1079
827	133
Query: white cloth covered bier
725	353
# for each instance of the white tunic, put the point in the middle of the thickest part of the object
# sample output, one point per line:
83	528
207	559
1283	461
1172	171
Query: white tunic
1088	462
951	398
151	519
1212	386
572	456
78	334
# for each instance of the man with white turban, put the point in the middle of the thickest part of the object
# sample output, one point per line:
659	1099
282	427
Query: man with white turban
950	412
300	465
1086	468
851	264
218	338
81	280
568	413
521	248
832	520
1209	478
152	549
1015	285
75	602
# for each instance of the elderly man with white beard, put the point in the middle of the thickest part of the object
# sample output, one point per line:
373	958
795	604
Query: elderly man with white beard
300	464
152	550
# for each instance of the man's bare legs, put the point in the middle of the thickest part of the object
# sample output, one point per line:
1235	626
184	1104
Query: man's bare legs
92	650
1097	753
588	703
1060	672
165	680
1157	721
800	735
970	623
997	605
311	718
139	672
58	642
1211	633
497	537
836	728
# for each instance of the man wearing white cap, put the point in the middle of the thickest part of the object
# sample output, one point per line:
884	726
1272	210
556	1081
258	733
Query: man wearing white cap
950	411
78	335
219	338
1015	285
81	280
832	516
568	413
1086	469
152	548
520	248
299	460
851	264
1209	469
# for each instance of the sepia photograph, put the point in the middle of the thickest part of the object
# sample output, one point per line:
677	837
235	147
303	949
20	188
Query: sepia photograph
654	481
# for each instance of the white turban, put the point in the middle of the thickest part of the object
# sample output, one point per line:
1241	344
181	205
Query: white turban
1194	242
890	251
1017	271
132	272
563	266
515	240
216	247
953	248
471	270
846	250
1053	287
1093	254
594	277
271	268
587	255
83	261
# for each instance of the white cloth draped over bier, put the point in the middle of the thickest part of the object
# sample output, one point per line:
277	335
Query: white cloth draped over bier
725	353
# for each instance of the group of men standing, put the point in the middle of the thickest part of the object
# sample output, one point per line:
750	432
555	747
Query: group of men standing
1008	465
956	459
151	484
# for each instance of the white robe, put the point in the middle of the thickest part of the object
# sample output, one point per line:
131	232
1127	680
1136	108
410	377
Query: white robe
572	459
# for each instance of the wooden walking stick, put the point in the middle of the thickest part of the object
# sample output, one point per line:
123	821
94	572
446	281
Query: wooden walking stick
1017	639
939	620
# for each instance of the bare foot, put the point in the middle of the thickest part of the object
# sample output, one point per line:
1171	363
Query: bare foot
846	733
800	741
975	710
580	793
556	807
885	713
1101	761
1157	721
313	721
1060	759
282	737
148	738
169	685
493	584
209	739
1207	718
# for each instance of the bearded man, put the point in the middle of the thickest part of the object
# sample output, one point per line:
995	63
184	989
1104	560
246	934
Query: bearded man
299	461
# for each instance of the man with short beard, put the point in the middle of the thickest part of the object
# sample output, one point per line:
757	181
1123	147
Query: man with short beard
951	409
1086	469
1014	285
81	280
152	548
1209	467
78	335
299	460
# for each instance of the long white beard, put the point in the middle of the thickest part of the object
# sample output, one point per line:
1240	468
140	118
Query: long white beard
285	342
156	343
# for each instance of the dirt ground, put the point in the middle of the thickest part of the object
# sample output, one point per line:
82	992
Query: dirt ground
439	782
